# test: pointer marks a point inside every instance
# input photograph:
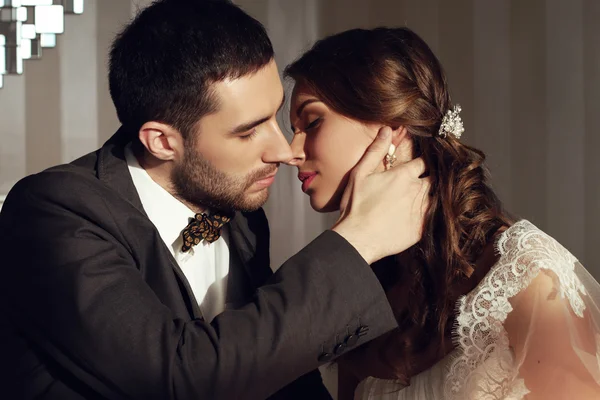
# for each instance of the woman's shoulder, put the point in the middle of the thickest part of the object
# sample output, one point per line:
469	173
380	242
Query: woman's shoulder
524	244
531	266
523	250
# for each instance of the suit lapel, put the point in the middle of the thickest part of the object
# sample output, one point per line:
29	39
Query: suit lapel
112	170
249	235
248	232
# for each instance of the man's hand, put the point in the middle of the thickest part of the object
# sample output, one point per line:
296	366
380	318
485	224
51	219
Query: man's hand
382	212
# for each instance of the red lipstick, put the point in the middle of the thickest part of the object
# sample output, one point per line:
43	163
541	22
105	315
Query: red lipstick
306	178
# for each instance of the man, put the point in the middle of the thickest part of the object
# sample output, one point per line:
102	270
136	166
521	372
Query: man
141	271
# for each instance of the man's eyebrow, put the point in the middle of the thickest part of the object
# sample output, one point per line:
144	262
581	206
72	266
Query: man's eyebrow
253	124
247	126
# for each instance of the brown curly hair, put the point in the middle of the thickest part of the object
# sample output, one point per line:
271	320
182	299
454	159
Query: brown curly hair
391	76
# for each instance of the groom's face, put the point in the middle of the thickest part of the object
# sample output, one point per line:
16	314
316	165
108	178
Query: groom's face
231	159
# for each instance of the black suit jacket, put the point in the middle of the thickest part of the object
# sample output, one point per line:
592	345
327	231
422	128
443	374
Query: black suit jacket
94	306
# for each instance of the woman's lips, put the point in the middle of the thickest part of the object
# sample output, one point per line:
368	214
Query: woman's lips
306	178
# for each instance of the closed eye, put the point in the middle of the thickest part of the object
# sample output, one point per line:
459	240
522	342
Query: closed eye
313	124
308	127
250	135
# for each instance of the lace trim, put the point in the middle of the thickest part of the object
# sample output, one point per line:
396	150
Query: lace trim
484	364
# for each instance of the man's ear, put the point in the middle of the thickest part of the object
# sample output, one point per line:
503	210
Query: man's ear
162	141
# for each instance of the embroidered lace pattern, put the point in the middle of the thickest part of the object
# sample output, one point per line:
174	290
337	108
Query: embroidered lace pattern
483	365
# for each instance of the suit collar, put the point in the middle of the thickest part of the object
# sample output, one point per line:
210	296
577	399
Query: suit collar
250	236
249	231
156	199
112	168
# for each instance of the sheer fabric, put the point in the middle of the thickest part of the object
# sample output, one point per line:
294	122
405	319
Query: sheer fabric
530	330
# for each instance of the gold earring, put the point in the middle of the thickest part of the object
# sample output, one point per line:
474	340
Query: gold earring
390	158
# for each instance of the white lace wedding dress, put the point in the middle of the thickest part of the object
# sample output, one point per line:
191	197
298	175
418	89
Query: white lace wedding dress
529	330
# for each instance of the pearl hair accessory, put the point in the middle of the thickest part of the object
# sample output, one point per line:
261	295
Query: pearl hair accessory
452	123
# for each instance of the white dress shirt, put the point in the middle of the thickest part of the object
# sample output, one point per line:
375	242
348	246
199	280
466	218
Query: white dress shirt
206	265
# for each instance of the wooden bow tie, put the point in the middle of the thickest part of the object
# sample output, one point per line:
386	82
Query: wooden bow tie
203	227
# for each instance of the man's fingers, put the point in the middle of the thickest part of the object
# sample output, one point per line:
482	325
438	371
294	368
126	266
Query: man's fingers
424	193
375	153
415	168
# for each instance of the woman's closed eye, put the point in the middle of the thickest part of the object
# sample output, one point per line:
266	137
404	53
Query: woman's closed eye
313	124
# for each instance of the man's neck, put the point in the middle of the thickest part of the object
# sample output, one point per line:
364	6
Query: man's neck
160	172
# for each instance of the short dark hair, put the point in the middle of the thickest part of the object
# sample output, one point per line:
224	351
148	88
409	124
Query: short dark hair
163	63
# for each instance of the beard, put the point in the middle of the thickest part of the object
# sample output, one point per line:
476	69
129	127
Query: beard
196	181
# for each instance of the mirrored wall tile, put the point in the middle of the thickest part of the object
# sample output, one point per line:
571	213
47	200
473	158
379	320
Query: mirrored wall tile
48	40
21	14
71	6
28	31
36	2
29	25
9	3
49	19
25	49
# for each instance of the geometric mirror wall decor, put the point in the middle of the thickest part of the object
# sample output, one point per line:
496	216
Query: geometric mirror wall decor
29	26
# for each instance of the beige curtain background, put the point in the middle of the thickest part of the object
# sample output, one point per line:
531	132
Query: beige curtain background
527	74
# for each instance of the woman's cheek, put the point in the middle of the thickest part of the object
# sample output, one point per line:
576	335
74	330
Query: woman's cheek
337	149
328	145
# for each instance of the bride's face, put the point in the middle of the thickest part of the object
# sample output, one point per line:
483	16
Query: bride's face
326	146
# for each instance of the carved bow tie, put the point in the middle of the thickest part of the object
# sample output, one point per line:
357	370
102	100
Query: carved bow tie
203	227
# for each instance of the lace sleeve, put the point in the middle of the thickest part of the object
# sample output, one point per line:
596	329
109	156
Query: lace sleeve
530	330
555	346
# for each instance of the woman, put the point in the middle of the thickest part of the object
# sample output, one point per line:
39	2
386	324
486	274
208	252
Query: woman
487	307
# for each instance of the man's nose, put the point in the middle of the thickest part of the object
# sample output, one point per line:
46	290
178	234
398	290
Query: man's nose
297	147
279	150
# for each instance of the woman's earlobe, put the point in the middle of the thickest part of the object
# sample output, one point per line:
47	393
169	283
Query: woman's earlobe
398	135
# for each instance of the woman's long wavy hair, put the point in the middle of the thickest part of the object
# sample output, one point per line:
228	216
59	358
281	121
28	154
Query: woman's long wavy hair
391	76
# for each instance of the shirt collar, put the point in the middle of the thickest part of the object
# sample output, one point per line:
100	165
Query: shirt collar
167	213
